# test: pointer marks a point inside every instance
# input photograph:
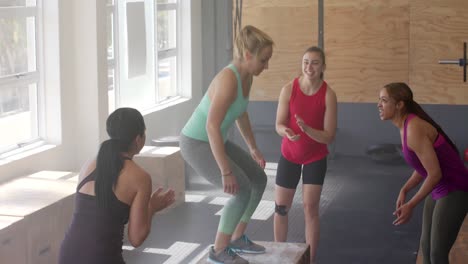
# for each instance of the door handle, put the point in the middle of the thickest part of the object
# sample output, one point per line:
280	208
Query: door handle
460	62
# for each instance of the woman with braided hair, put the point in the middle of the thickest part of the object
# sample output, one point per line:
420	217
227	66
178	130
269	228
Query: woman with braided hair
437	165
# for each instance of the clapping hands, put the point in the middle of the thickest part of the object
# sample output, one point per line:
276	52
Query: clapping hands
291	135
300	122
162	199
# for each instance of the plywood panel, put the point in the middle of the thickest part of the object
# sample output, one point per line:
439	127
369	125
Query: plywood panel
366	43
293	25
438	30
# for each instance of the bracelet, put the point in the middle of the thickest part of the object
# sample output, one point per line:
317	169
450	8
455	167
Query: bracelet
226	174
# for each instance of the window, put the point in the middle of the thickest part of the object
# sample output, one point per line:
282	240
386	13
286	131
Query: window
143	52
20	78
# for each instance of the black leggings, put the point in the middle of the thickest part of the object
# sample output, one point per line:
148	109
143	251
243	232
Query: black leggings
442	220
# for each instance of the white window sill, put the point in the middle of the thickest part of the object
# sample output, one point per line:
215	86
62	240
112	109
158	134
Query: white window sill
29	150
169	103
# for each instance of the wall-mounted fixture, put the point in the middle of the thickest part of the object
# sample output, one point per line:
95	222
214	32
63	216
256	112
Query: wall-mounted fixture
462	62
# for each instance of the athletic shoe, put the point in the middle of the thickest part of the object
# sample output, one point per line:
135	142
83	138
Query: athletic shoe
244	245
227	256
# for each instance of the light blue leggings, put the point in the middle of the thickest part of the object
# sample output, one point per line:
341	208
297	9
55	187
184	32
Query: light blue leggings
250	177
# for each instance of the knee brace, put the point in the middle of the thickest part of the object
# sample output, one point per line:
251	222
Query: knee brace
281	209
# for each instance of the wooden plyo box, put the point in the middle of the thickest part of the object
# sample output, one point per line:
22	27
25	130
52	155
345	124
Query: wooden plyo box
12	240
276	253
166	167
46	206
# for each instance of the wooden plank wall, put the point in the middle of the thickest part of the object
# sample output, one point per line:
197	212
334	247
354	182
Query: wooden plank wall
438	29
293	25
366	43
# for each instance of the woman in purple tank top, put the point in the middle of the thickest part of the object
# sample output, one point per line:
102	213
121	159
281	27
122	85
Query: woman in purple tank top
437	165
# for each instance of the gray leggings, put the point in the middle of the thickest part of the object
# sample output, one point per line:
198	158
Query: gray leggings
442	220
250	177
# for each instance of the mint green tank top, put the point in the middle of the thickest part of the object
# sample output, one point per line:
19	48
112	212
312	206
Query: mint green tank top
196	125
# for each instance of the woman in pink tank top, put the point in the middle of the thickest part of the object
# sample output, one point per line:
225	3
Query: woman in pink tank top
437	165
306	119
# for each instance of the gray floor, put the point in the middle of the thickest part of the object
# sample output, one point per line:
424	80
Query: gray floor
356	208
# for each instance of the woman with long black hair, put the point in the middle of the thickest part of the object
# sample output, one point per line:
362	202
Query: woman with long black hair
113	191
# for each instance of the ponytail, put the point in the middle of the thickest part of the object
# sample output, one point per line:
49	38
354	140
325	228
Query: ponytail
415	108
123	126
109	163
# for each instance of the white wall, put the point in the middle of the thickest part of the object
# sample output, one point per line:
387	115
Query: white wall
83	90
217	37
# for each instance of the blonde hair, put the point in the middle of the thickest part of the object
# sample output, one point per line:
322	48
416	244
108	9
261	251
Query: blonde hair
250	39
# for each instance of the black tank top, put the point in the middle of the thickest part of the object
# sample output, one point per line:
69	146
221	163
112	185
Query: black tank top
95	235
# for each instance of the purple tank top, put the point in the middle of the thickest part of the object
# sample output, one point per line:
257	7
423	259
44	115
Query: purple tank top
454	172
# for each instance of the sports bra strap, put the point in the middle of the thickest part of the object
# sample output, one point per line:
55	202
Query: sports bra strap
92	177
88	178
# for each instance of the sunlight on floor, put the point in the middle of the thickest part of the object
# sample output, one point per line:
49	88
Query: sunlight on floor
194	198
51	175
177	252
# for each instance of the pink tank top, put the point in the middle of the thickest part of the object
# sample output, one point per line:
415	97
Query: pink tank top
311	108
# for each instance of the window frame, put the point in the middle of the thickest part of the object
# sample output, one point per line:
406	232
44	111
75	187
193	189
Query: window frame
171	52
114	63
30	77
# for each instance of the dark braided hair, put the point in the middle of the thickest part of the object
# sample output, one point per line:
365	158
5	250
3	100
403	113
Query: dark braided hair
400	91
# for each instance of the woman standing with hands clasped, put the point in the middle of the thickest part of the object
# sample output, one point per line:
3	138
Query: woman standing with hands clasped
306	119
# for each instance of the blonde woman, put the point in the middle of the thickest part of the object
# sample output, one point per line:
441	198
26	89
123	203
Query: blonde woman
205	147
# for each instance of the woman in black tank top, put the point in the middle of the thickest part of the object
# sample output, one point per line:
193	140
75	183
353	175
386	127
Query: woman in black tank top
112	185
